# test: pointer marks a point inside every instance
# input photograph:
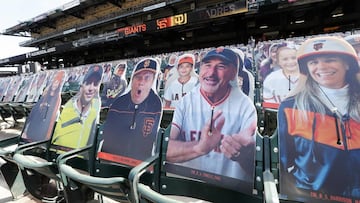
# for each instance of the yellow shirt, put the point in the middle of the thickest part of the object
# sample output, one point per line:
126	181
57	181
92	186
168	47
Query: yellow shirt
73	131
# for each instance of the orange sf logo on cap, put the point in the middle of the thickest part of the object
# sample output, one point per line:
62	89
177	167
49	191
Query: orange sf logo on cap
219	49
146	63
318	46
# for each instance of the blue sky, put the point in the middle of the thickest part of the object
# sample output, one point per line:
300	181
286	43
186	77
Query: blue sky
16	11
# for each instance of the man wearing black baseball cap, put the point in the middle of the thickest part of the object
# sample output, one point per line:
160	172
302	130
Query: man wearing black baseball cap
215	123
142	80
218	68
134	118
79	116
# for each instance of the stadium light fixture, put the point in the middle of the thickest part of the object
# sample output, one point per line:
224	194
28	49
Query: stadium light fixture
155	6
337	15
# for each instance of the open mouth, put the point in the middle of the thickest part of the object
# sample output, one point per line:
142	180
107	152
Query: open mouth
211	80
138	92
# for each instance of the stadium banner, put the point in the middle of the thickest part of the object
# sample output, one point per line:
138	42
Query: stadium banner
219	11
185	18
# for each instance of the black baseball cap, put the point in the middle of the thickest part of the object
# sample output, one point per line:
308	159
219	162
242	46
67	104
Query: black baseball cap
225	54
94	74
148	64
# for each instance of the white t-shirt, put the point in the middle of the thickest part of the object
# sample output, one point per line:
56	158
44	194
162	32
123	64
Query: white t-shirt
277	86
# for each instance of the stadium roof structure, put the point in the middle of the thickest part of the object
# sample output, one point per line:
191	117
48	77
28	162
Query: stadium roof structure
88	31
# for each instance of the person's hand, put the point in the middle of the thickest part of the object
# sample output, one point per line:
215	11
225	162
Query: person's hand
231	145
208	141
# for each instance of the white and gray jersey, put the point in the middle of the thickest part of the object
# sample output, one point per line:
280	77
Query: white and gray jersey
177	90
194	110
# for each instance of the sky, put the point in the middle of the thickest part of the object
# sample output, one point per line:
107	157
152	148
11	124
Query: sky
16	11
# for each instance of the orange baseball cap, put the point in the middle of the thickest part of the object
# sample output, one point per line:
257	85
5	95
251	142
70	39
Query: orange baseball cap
186	59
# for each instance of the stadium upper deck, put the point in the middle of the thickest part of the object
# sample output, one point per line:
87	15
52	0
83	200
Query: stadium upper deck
88	31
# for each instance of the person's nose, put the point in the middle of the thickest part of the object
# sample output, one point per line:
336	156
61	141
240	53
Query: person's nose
211	71
141	81
92	87
321	64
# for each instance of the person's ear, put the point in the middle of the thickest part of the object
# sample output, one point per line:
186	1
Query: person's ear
234	71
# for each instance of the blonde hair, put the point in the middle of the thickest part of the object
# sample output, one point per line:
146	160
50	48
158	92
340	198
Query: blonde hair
306	97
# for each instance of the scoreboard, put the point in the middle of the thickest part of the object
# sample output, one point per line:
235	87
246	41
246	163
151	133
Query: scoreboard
185	18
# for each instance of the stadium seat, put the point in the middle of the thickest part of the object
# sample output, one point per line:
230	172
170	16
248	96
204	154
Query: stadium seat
8	97
270	171
37	129
167	187
73	130
128	136
45	167
110	171
17	105
269	111
167	117
107	178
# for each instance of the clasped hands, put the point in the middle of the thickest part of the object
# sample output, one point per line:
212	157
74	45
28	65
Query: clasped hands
230	145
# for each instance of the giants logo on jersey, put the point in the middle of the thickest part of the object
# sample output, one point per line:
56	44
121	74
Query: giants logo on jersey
148	126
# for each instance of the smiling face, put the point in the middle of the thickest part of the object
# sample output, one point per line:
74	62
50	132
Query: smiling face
120	71
273	54
215	75
141	85
184	69
286	58
328	71
88	91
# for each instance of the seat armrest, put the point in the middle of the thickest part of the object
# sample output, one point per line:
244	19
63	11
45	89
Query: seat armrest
10	140
66	170
6	152
270	191
136	173
25	147
29	161
62	158
28	104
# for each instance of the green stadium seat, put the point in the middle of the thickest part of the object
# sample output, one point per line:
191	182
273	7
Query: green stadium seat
128	136
166	187
36	129
73	130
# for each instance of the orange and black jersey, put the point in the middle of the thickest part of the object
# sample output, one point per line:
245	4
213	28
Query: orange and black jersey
130	129
311	154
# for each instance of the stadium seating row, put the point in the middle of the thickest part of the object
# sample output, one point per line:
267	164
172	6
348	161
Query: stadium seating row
128	153
78	175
